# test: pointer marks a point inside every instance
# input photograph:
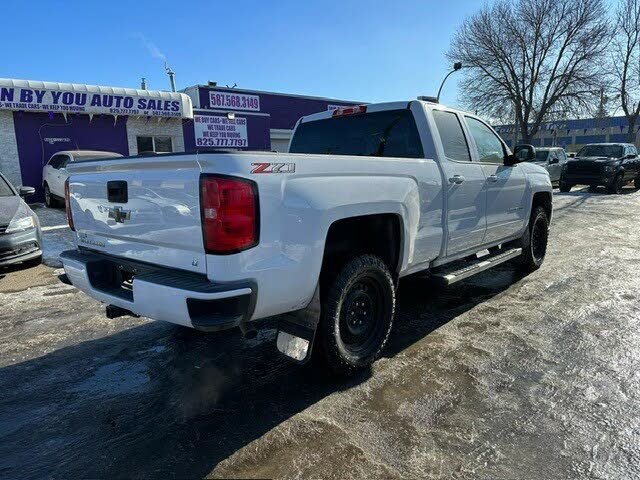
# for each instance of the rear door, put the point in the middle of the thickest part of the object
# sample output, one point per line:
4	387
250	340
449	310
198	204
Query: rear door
505	186
465	187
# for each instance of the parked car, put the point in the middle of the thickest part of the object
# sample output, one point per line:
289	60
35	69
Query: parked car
611	165
54	173
20	235
552	159
319	236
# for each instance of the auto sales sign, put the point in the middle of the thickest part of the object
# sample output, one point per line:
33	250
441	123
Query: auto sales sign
21	95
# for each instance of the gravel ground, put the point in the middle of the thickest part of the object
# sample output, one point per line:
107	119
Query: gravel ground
496	377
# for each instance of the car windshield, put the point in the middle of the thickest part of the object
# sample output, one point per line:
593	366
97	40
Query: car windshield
541	155
600	151
5	189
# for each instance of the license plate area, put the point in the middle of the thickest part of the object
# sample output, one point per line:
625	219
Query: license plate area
114	277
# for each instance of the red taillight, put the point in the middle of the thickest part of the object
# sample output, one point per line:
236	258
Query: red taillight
67	205
229	210
349	110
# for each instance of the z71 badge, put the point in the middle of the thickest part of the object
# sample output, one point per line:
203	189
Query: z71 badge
273	167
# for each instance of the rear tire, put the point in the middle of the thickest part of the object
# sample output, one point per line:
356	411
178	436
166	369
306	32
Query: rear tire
616	186
357	315
48	197
534	241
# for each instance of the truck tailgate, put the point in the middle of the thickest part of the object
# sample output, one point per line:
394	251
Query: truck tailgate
147	211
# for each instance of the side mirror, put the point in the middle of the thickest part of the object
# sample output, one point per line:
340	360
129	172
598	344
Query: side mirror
525	153
553	161
630	156
571	154
24	191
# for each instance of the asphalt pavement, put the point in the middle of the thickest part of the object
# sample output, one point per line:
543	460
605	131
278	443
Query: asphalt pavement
500	376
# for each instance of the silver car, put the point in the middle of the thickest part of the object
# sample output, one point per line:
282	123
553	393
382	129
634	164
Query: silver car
551	158
20	234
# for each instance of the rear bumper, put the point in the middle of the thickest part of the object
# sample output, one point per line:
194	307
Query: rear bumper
20	247
160	293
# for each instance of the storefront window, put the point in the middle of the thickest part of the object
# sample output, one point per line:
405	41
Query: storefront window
145	144
155	144
163	144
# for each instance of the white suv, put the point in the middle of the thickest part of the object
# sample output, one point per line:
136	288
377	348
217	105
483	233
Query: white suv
54	173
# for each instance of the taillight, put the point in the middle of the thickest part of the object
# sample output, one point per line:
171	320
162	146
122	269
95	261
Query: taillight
349	110
229	211
67	205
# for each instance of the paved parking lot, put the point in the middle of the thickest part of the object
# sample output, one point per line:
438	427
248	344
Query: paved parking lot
496	377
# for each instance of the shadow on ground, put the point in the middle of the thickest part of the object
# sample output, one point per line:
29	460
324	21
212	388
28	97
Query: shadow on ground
158	400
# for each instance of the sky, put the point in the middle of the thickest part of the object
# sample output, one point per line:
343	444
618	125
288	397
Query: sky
368	51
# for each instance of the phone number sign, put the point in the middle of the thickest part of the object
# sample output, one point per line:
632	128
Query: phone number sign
217	131
234	101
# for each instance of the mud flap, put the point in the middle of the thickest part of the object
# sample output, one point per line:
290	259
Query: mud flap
297	331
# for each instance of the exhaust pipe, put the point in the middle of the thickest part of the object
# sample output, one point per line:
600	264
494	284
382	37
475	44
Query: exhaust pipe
248	332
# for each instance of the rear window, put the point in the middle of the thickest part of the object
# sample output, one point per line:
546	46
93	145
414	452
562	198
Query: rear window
390	133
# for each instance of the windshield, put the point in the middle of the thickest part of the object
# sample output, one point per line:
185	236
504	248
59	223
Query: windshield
541	155
600	151
390	133
5	189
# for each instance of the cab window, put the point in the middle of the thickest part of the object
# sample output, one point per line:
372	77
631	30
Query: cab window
389	133
453	140
490	148
562	156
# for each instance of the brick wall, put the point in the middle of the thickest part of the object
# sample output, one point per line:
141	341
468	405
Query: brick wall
9	162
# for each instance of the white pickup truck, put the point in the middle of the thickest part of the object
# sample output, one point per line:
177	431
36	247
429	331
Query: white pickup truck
319	236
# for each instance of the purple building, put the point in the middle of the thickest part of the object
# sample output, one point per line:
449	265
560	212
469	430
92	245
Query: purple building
38	119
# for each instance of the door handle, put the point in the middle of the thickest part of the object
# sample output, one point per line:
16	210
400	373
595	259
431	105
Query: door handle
492	178
456	179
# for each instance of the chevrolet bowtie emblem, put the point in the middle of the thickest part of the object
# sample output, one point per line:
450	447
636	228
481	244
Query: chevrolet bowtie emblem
119	215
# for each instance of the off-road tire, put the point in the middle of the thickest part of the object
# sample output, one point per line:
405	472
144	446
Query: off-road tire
362	291
616	186
534	241
564	187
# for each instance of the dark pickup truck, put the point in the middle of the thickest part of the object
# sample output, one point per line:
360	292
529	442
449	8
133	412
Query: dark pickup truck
611	165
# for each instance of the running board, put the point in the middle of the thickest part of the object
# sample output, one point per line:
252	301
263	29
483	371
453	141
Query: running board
476	266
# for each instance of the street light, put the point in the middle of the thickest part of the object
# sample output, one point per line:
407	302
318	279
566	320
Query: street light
456	66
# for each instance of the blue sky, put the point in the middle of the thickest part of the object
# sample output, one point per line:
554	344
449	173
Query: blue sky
353	50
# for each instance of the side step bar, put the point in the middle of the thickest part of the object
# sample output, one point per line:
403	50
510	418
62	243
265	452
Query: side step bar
476	266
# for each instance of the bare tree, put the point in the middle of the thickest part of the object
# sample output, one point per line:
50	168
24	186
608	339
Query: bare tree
626	61
531	59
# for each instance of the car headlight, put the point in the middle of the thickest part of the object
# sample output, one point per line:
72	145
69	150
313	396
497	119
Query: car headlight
20	224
